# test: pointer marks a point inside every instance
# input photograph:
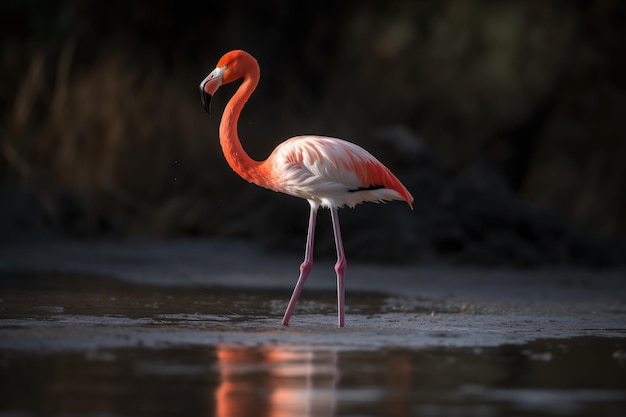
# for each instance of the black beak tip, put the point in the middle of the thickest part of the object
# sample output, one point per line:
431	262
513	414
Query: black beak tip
206	101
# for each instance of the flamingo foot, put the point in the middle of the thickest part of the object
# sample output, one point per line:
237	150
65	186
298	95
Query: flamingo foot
340	269
305	268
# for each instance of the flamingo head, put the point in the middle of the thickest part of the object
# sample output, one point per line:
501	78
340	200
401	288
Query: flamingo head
231	67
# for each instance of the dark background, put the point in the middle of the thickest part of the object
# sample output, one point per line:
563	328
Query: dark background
505	120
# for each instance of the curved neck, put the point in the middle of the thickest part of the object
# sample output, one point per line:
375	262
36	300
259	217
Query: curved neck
235	155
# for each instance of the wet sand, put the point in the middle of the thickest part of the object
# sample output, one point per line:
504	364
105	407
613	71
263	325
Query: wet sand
171	292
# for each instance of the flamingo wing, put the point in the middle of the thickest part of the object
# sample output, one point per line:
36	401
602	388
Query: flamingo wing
331	172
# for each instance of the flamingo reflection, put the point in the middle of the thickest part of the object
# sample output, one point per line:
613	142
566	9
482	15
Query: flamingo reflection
275	381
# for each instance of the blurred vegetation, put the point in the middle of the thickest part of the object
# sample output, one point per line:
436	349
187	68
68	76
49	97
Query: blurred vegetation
101	119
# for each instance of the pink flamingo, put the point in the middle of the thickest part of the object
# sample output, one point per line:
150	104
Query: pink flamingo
327	172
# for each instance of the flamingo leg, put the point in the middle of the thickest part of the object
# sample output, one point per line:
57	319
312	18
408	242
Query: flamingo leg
340	267
305	267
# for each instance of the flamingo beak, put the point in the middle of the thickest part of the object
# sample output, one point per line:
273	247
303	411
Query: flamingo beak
209	86
206	98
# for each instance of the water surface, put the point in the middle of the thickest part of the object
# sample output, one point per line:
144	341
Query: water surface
576	377
84	344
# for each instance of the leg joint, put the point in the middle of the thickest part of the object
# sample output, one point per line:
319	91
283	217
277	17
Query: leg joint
340	266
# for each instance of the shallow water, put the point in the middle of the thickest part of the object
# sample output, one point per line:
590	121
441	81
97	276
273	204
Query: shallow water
577	377
83	344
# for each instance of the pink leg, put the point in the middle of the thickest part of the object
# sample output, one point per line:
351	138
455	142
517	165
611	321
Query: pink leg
305	267
340	267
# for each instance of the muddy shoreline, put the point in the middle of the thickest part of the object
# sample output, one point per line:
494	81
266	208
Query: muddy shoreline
88	295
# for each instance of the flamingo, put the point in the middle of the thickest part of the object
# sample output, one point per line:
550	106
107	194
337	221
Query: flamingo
327	172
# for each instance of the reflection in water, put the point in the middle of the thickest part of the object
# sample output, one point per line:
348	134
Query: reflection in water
573	377
179	372
287	380
276	381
